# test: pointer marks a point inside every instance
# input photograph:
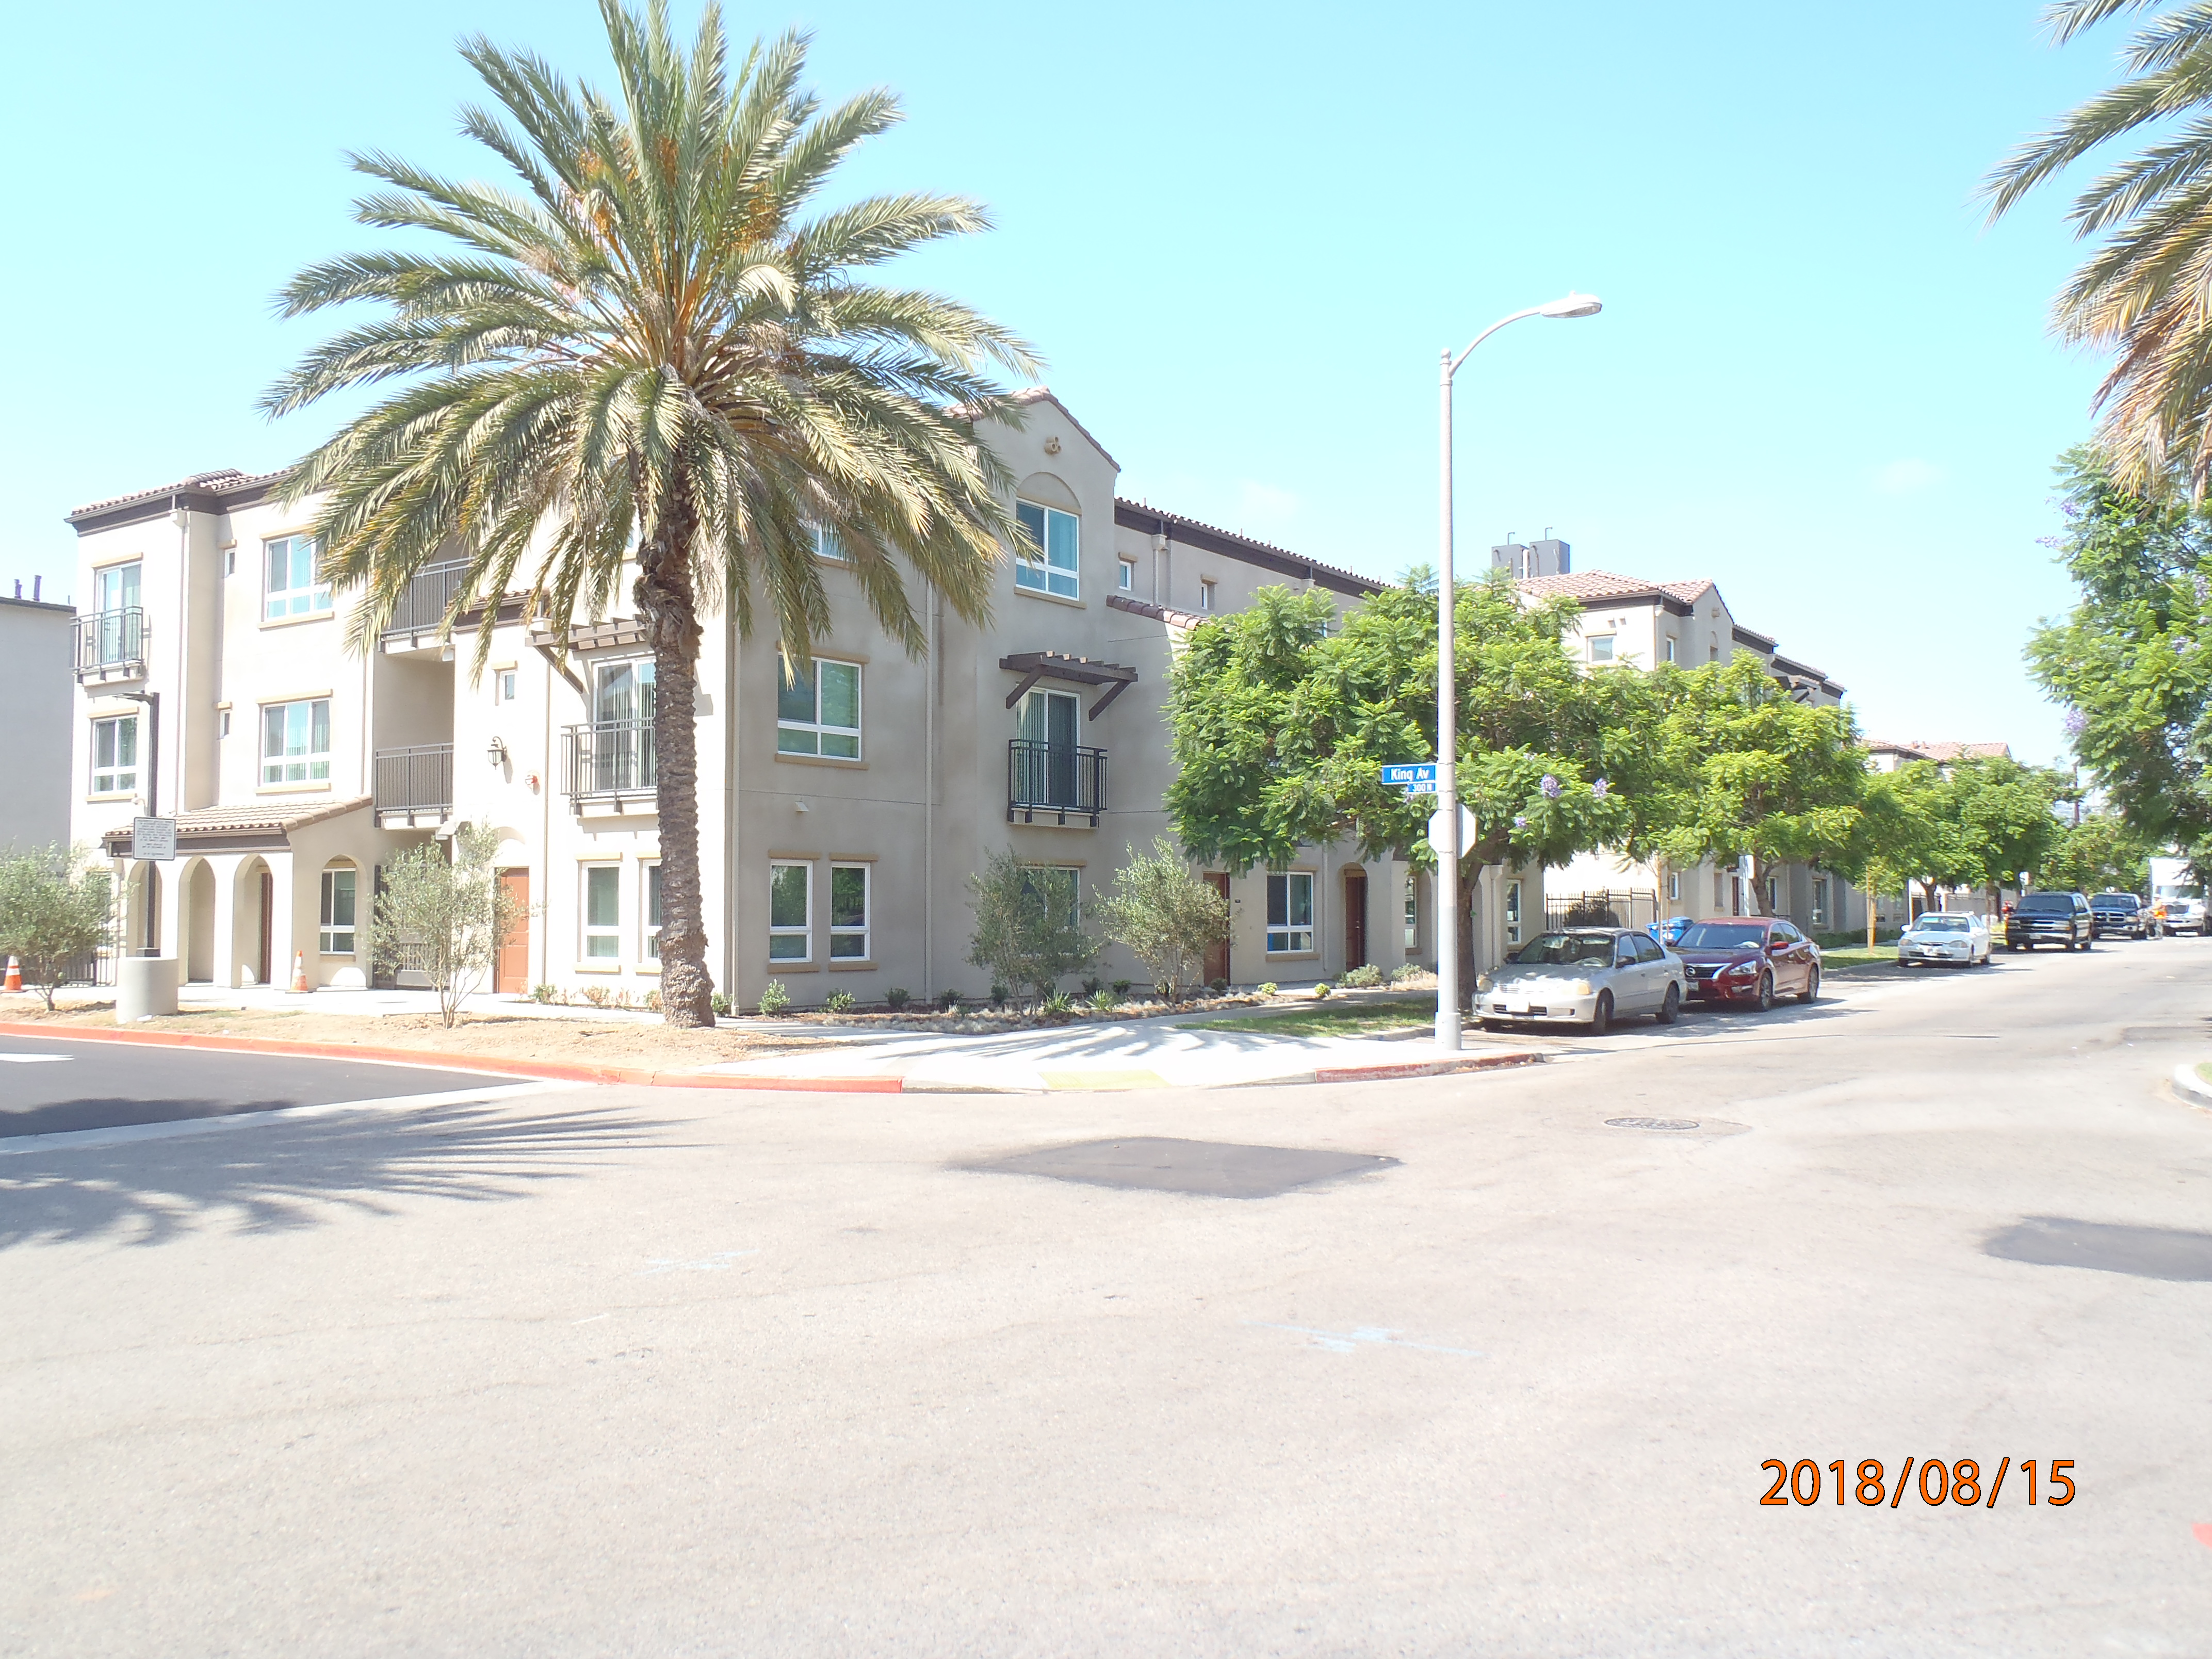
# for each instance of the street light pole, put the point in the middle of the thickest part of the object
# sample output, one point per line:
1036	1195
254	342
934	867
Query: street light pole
1448	855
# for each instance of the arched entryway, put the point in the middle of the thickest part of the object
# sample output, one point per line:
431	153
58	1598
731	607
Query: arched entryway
253	916
196	879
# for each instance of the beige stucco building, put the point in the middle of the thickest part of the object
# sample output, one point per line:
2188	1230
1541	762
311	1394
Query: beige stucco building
35	641
840	818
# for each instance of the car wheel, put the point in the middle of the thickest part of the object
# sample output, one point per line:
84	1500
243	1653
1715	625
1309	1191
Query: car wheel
1812	991
2089	943
1672	1007
1766	992
1600	1020
1493	1025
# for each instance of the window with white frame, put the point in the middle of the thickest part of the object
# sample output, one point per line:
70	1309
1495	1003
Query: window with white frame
1821	902
1289	913
827	546
507	679
1674	887
1127	576
1205	597
817	710
296	741
294	584
1512	912
651	878
340	891
1670	649
1413	915
791	912
1600	648
1048	561
115	755
602	913
848	912
1060	885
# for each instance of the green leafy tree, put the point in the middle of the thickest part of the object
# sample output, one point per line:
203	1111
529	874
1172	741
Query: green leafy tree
2139	298
1735	767
1027	930
444	919
1282	720
2099	854
55	907
641	349
2129	661
2005	823
1167	916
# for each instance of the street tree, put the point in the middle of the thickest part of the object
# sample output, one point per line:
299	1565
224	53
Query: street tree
444	918
1282	717
643	350
1166	914
2130	661
55	906
1028	929
2005	825
2099	854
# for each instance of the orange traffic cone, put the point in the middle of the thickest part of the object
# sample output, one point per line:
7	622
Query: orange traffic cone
299	972
14	976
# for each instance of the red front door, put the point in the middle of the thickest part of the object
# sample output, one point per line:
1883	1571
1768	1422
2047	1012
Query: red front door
510	970
1217	954
1355	920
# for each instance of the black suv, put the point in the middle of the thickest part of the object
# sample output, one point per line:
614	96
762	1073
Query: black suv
2121	914
2050	919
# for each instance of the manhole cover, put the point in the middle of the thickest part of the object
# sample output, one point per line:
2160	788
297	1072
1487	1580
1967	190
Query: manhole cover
1211	1168
1671	1125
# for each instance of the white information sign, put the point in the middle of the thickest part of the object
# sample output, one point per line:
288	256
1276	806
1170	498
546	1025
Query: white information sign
153	838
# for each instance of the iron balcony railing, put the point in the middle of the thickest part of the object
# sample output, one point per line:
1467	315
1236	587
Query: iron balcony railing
112	642
1058	778
421	609
608	757
419	779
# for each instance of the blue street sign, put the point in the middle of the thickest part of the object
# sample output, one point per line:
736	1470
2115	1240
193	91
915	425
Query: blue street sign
1419	779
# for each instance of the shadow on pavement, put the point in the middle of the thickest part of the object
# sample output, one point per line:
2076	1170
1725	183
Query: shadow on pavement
280	1178
2051	1241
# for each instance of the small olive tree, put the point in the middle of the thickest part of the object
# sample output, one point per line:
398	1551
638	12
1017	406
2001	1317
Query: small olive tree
54	910
1167	916
444	919
1027	929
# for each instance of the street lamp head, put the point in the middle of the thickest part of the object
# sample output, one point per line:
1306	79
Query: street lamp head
1572	304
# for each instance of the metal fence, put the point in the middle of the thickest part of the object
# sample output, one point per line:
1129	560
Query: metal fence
414	780
421	609
1055	777
110	639
1612	907
608	757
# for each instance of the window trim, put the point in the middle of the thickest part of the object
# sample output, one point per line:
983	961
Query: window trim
816	728
308	759
328	928
587	931
116	771
1040	563
1205	587
824	539
865	932
1512	912
803	931
1126	574
1290	930
317	591
1608	641
648	928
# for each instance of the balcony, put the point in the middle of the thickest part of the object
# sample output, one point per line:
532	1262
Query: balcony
413	787
111	645
1062	779
421	609
607	766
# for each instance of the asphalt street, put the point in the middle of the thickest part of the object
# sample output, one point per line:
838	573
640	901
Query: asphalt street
55	1086
1487	1363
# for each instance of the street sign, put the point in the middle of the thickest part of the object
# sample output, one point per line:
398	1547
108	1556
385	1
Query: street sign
153	838
1438	824
1419	779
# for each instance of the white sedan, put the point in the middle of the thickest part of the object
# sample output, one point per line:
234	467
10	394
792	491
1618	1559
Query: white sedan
1963	941
1583	976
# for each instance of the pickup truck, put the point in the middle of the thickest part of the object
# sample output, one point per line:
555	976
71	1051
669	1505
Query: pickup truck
2062	919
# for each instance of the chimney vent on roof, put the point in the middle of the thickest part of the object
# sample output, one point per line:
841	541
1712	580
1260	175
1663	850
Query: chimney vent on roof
1512	558
1547	557
1553	557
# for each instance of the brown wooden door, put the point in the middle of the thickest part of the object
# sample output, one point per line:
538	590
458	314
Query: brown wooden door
511	972
268	925
1216	955
1355	920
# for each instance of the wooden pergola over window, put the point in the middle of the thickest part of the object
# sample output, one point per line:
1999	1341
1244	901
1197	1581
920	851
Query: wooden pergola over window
1035	665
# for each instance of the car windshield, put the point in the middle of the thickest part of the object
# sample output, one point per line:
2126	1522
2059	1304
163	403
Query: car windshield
2035	902
2115	901
1942	925
1724	936
1560	950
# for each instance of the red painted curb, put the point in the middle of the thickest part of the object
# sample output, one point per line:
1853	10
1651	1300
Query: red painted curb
549	1070
1424	1068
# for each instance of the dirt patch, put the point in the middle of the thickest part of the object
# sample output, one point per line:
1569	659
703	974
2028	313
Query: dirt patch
564	1042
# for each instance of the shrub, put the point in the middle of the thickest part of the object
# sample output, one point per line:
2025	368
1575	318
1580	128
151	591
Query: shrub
444	917
596	995
1026	931
1104	1001
898	998
548	993
1410	970
53	911
1364	978
1120	987
774	1000
1321	991
720	1003
998	994
1092	985
1165	913
653	1002
1056	1006
950	1001
1218	987
838	1002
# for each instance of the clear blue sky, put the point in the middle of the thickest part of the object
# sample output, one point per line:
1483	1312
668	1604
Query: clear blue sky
1241	236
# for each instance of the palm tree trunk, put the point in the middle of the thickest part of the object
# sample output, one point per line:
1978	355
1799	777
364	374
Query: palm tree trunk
668	602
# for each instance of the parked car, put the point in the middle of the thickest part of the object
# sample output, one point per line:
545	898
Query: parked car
1945	936
1583	976
1749	959
2050	919
2181	915
2121	914
1669	932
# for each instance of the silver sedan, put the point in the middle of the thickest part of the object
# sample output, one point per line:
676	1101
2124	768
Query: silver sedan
1583	976
1939	936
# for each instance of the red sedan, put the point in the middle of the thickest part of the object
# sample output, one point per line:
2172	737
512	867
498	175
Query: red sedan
1748	960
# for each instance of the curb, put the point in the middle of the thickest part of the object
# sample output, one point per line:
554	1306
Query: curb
555	1072
2191	1087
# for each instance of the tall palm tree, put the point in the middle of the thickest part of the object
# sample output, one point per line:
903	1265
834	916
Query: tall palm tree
2144	293
646	352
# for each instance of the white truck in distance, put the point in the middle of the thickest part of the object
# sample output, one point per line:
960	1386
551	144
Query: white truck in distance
2177	895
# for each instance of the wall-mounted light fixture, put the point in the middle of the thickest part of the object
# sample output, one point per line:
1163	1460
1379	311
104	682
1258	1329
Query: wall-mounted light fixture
497	753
